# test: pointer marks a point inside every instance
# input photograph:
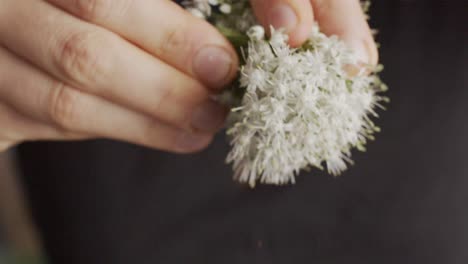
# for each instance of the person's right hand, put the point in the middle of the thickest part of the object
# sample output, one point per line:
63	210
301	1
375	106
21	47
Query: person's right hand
137	71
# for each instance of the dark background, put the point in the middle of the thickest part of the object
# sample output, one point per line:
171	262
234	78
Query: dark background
405	201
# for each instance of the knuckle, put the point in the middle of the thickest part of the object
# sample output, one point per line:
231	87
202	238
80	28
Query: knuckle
165	95
171	108
173	40
98	10
151	134
78	60
63	106
93	9
147	135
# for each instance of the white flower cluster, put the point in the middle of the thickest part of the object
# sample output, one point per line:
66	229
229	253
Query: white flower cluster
300	107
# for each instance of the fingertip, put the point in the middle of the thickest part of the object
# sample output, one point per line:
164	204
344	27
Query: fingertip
364	48
294	16
187	142
215	66
301	33
347	20
208	117
222	52
283	15
367	54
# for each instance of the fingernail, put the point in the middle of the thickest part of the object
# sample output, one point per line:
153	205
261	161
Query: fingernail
282	16
360	50
212	66
188	142
209	116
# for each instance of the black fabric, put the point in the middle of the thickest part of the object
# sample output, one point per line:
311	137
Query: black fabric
403	202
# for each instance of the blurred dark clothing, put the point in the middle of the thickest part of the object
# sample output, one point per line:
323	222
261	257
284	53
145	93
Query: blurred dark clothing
405	200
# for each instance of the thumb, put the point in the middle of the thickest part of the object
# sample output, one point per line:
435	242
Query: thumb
296	16
347	20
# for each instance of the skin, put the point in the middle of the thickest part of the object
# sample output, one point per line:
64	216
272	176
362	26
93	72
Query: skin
134	70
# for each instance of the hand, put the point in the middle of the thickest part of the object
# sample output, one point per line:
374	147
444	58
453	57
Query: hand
335	17
137	71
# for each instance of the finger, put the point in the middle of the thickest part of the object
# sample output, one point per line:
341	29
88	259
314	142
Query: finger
167	31
347	20
17	128
98	62
295	16
34	94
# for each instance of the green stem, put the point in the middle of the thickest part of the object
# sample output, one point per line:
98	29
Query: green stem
237	39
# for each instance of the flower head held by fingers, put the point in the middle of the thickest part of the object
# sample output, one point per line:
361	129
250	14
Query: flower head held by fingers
295	108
